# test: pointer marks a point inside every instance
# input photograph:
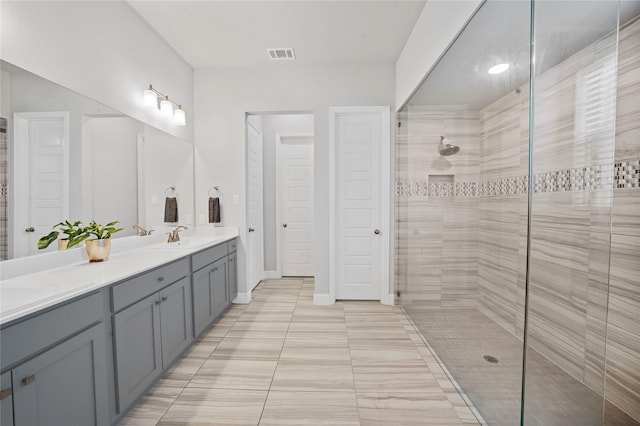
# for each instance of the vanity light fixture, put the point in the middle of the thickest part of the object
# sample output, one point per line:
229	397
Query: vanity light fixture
499	68
151	96
179	117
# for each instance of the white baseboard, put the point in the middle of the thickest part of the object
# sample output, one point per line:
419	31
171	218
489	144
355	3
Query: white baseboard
323	299
243	298
269	275
387	299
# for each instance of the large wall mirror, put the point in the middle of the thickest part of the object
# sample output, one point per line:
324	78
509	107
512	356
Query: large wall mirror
64	156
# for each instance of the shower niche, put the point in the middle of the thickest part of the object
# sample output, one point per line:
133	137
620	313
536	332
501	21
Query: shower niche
441	185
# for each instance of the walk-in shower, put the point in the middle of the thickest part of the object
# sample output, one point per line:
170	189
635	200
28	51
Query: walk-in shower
518	258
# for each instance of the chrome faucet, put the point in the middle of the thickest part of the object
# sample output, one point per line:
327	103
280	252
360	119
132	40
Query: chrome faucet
174	236
141	231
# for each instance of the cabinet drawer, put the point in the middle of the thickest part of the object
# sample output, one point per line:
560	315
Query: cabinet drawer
207	256
232	245
137	288
28	337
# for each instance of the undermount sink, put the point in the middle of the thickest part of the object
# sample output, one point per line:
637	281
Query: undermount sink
189	242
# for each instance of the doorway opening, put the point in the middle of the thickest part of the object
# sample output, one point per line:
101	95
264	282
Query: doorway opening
280	195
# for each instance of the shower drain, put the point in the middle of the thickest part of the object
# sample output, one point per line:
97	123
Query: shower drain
491	359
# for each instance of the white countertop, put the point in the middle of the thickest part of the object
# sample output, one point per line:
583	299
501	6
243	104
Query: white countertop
29	293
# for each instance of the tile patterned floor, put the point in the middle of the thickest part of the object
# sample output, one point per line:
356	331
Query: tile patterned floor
281	360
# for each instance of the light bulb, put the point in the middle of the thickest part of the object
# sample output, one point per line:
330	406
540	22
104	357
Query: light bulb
150	98
166	109
179	117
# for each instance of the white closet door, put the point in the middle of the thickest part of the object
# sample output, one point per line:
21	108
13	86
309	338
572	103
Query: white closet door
361	156
296	159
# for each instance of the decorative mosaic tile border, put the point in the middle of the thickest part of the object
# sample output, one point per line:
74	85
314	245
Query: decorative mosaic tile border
623	174
627	174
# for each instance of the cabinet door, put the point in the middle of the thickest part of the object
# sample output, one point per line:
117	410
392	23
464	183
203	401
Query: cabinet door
6	400
233	277
220	291
138	349
203	313
175	320
66	385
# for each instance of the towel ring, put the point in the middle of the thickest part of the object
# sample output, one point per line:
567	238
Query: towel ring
217	189
171	191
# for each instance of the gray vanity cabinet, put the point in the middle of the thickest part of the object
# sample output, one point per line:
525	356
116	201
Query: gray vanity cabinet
220	280
149	335
66	385
210	295
6	399
233	276
151	327
54	366
138	349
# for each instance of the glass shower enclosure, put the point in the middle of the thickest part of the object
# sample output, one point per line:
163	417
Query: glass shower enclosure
518	212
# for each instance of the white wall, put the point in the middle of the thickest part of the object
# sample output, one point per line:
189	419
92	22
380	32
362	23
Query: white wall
273	125
438	25
101	49
222	97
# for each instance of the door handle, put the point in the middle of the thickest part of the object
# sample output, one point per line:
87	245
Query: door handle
377	232
28	380
284	225
251	230
30	229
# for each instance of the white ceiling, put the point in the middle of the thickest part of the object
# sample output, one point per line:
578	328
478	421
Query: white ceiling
236	34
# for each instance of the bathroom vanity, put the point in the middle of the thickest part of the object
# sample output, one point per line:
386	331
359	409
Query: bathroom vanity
81	343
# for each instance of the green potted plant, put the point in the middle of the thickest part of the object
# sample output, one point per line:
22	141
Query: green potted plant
98	248
74	233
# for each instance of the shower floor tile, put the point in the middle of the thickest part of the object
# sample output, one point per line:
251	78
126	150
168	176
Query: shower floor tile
462	337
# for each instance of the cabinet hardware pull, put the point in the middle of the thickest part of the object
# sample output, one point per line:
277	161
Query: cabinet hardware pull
164	298
5	393
30	229
157	302
28	380
377	232
251	230
230	260
215	269
160	279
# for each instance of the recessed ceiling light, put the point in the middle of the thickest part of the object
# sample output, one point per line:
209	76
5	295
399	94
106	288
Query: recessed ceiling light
497	69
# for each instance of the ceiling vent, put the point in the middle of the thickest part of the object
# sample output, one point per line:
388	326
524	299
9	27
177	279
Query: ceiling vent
281	54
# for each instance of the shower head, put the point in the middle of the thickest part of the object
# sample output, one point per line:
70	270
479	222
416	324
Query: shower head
445	148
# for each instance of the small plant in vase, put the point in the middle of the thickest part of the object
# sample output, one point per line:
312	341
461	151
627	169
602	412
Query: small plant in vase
74	233
98	248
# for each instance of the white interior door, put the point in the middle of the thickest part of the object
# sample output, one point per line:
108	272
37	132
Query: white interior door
295	185
360	142
255	259
41	177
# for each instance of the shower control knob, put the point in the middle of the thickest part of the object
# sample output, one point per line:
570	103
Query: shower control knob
30	229
377	232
